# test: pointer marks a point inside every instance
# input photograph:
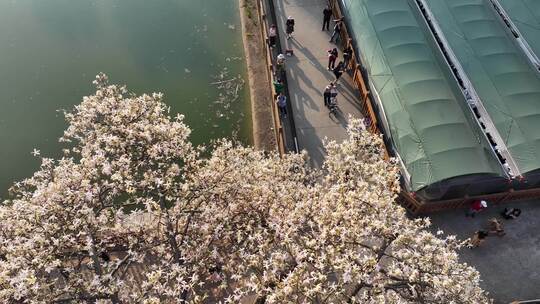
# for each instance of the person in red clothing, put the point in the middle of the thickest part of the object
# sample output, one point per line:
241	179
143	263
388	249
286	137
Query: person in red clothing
332	56
476	206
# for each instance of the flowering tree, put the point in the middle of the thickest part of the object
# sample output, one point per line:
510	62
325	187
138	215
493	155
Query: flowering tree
134	214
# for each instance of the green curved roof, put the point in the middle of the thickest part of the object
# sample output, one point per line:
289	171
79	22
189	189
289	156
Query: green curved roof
525	14
499	71
430	127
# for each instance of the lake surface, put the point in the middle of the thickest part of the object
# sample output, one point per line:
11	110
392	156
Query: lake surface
51	50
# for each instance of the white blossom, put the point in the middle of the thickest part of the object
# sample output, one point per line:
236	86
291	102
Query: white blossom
133	213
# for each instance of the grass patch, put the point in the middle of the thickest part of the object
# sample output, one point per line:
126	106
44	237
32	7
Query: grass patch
250	9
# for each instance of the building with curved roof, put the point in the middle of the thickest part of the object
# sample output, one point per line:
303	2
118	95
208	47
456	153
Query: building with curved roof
525	15
507	84
446	147
428	122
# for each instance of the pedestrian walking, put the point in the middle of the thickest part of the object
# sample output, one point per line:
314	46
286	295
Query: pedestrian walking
327	14
289	26
496	227
272	35
338	71
282	104
337	30
332	57
347	55
478	238
278	86
476	206
327	94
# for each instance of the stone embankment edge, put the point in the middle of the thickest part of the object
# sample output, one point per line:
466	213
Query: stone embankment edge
259	84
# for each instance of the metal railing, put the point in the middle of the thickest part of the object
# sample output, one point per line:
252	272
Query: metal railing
365	99
417	207
278	127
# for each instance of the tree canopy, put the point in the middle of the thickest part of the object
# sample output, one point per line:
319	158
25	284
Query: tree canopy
133	213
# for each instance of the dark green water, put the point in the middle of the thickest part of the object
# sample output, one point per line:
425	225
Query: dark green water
51	50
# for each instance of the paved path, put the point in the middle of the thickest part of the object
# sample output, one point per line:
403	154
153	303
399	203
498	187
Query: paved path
510	265
307	77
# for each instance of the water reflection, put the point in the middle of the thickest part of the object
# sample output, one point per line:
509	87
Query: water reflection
51	50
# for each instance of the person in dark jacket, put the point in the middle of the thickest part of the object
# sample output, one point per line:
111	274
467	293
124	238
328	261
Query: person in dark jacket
327	14
272	35
327	94
289	27
510	214
337	30
347	55
338	71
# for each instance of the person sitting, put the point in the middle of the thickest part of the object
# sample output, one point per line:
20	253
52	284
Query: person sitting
478	238
476	206
510	214
496	227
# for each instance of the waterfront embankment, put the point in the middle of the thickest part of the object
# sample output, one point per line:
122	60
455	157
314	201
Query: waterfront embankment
259	83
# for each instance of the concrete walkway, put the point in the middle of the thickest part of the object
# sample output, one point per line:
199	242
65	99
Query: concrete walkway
307	77
509	266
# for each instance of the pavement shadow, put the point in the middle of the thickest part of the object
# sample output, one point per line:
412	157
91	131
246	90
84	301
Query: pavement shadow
350	92
315	60
339	117
307	76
